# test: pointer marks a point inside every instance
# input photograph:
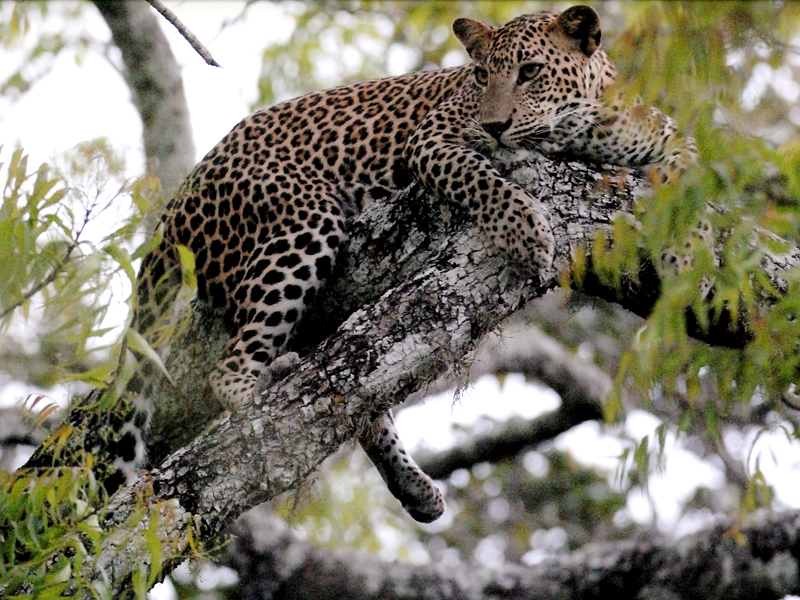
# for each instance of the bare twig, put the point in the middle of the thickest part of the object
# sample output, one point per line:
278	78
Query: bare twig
184	31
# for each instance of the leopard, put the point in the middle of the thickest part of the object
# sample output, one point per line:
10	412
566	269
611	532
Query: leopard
265	212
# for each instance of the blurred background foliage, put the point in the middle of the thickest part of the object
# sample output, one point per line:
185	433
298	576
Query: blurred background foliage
66	240
728	72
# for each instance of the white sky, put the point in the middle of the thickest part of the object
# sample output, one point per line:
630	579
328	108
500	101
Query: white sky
81	102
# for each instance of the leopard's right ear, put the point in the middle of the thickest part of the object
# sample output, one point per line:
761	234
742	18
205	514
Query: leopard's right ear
581	26
475	36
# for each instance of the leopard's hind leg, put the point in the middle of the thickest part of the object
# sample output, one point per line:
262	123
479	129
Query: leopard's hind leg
406	481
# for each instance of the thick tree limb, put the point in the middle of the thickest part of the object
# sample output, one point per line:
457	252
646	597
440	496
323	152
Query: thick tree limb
389	247
416	289
722	563
154	78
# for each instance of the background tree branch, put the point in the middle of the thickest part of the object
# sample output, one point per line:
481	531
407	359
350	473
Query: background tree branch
520	347
725	563
154	78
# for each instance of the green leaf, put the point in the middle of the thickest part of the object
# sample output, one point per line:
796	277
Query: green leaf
154	547
98	377
137	343
641	458
712	424
188	277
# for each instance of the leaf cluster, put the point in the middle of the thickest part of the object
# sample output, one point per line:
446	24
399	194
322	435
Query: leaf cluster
694	60
49	530
67	251
55	528
63	262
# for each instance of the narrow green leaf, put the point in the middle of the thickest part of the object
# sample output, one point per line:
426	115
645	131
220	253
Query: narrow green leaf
137	343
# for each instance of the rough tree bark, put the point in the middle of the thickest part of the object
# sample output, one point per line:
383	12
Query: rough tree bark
416	289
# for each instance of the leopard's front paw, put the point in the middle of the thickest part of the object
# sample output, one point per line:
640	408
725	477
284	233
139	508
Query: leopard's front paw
679	155
277	370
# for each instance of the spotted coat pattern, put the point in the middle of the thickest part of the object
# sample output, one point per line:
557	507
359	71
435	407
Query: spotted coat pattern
266	210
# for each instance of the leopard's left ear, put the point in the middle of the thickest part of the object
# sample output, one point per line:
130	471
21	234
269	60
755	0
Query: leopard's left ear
581	26
475	36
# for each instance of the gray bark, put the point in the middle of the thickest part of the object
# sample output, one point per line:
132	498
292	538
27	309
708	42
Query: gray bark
154	78
403	250
725	563
415	291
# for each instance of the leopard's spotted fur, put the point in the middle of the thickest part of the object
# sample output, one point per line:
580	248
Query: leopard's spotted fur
265	211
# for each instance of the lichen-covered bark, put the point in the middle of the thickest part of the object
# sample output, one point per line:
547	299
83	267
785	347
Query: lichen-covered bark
443	289
415	290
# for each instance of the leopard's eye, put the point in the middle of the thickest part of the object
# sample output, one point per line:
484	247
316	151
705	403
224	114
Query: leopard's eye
481	76
528	71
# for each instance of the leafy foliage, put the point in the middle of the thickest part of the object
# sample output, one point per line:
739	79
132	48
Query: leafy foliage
48	529
696	61
54	526
59	259
59	269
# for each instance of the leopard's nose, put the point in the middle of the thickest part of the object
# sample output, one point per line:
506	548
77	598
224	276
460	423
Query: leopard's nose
497	128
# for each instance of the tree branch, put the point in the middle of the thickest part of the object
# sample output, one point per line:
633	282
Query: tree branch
523	348
154	78
172	18
720	563
415	289
390	245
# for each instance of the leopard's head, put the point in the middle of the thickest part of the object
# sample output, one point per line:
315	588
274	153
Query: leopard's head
537	76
